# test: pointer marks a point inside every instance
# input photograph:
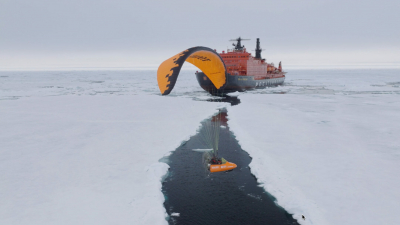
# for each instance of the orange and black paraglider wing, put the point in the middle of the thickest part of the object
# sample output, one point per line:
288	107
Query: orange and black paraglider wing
168	72
206	59
211	64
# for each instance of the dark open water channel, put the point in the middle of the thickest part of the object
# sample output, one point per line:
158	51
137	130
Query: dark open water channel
218	198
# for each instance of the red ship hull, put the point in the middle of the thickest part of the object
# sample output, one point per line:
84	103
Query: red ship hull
244	72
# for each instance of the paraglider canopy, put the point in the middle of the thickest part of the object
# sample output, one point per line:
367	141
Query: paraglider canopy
212	65
206	59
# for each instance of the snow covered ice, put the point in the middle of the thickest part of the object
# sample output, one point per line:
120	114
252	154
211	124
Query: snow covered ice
79	152
82	147
330	150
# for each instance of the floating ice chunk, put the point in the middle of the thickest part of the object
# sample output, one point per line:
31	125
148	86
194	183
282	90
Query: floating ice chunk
175	214
223	127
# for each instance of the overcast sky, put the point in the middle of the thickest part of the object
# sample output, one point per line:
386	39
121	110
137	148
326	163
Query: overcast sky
129	33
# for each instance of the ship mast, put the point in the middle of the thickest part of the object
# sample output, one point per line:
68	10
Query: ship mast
238	46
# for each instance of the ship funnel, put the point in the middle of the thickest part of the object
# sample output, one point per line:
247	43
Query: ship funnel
258	49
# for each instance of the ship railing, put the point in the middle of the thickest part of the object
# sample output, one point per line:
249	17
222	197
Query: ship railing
234	50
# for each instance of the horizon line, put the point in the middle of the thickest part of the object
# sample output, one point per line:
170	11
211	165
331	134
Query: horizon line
190	67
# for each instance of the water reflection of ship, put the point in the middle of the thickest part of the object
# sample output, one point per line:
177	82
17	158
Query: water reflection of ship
244	71
221	118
